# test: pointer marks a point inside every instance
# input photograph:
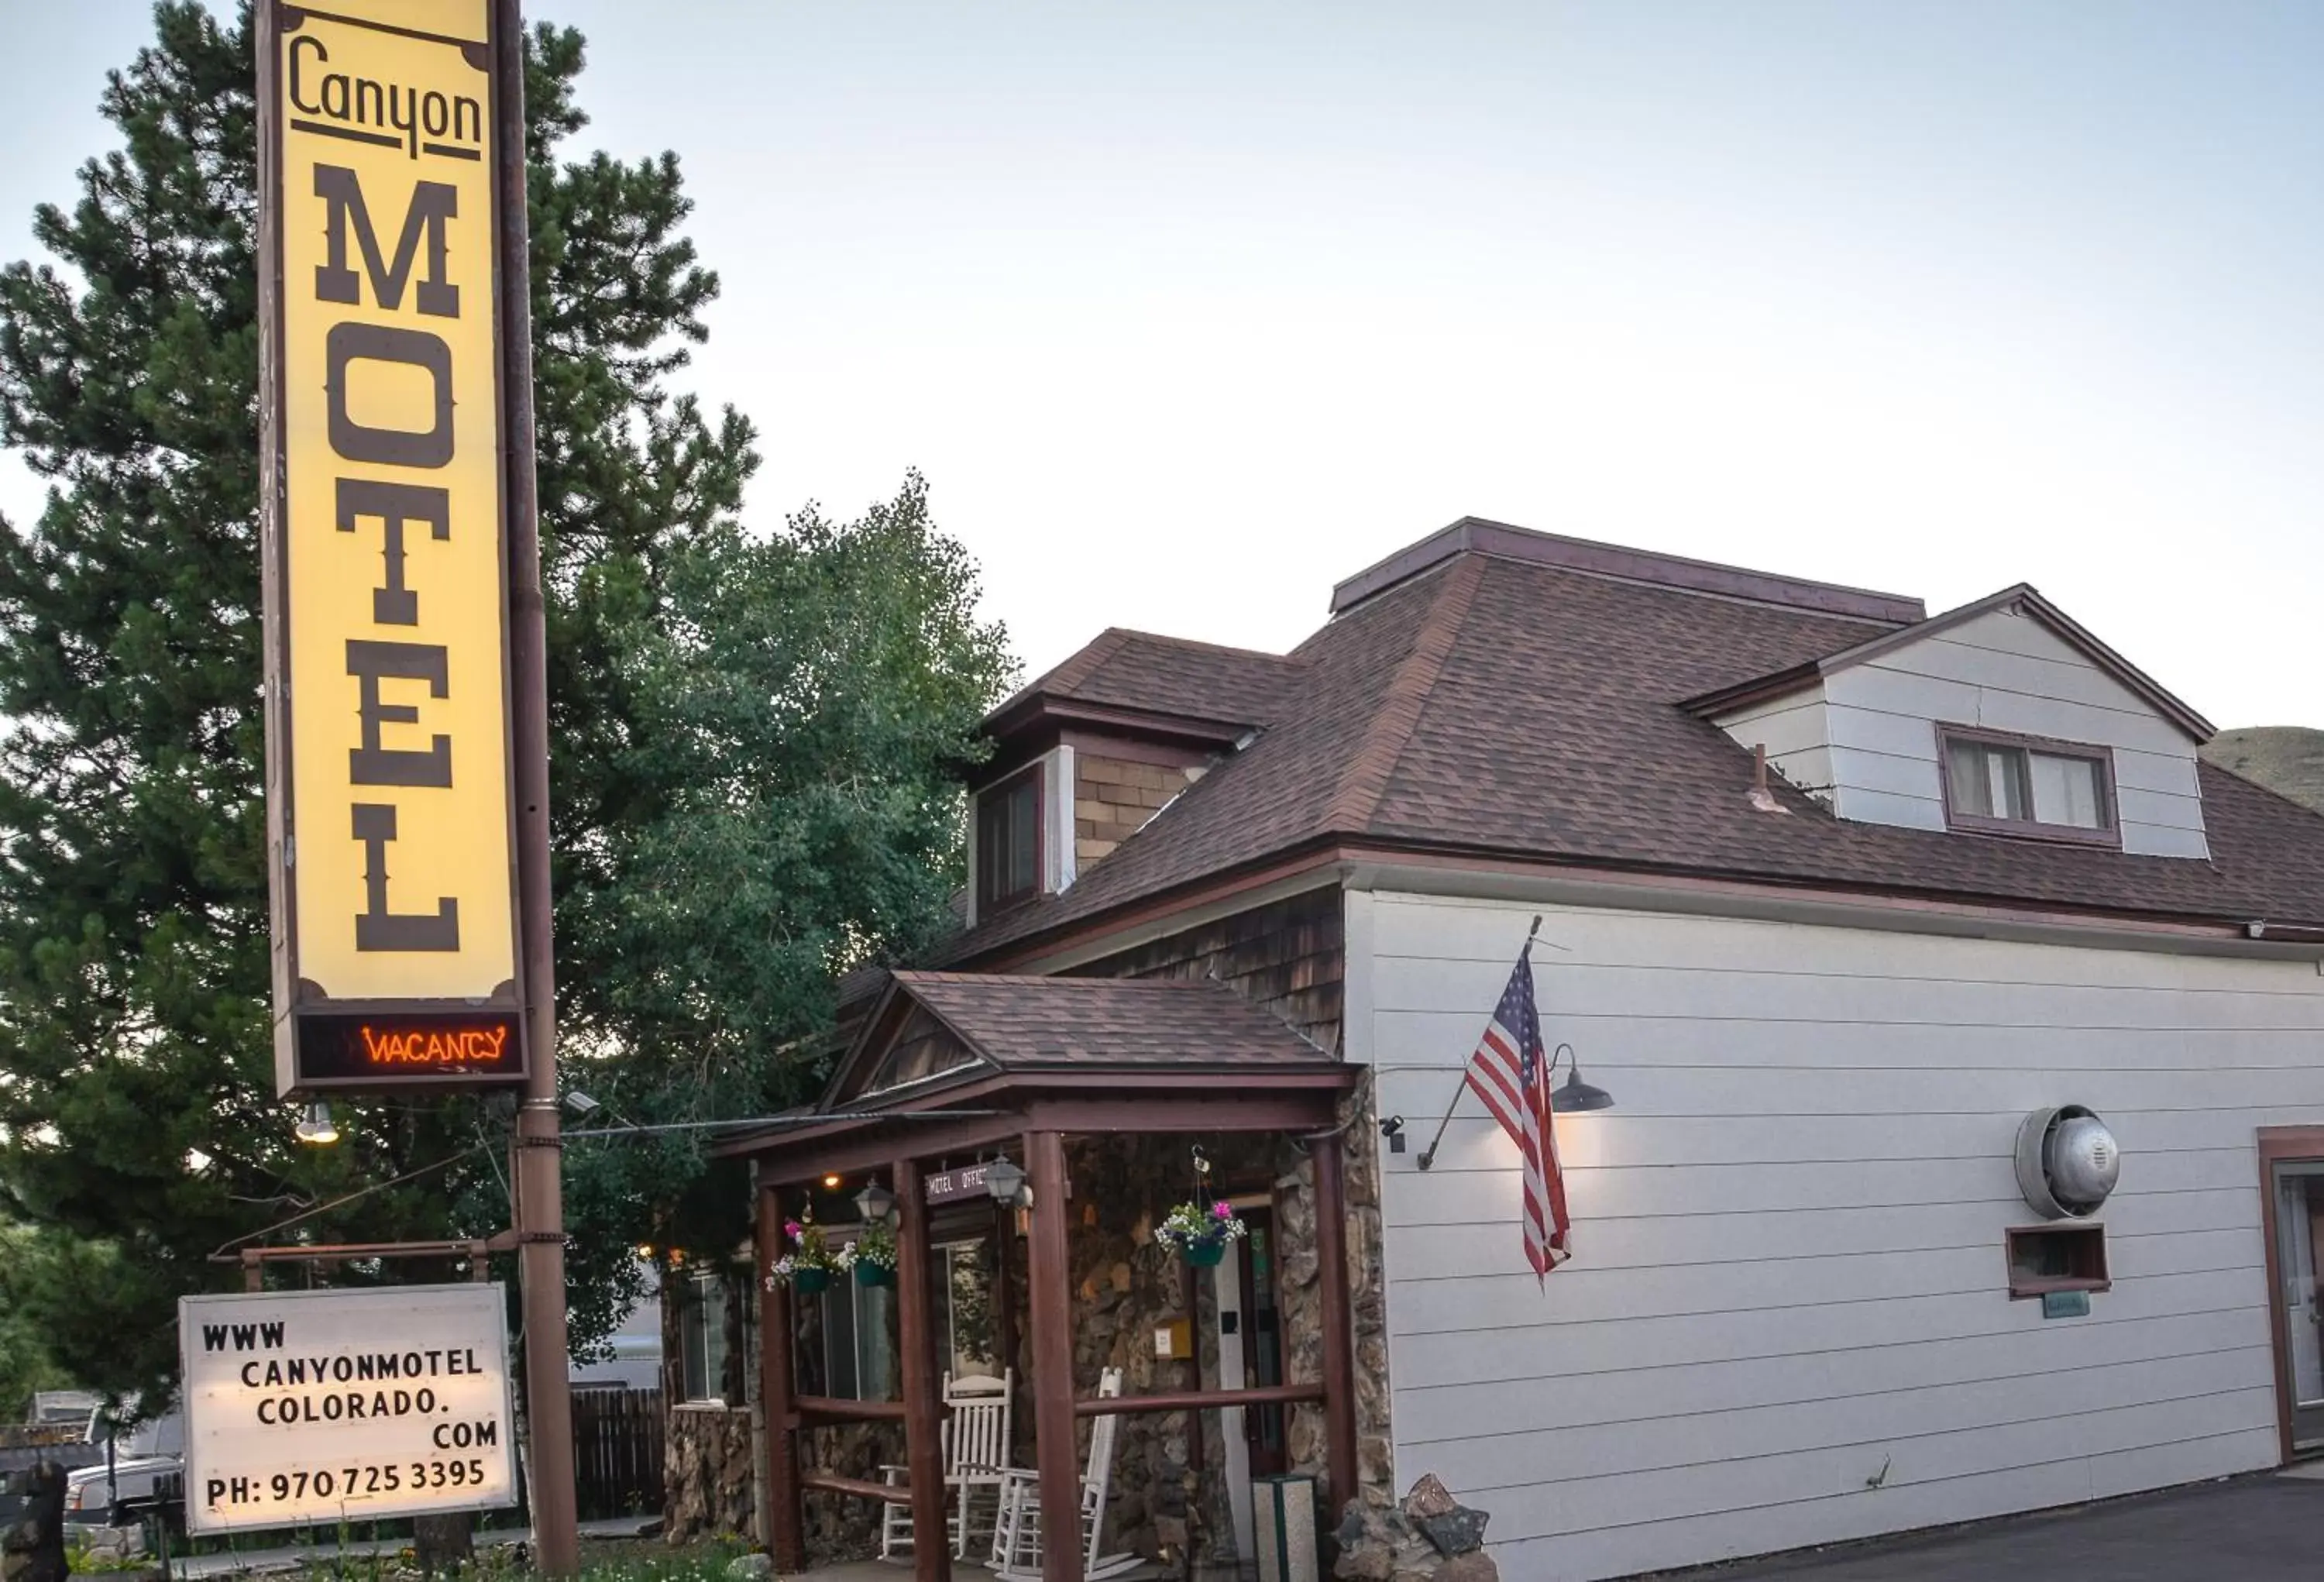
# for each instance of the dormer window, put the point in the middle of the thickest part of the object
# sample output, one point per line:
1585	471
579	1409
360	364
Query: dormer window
1997	784
1009	841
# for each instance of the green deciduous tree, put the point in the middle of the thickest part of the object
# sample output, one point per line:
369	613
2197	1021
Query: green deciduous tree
751	733
792	703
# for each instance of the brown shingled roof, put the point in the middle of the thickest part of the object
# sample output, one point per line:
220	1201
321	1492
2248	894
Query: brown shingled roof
1491	703
1044	1023
1167	675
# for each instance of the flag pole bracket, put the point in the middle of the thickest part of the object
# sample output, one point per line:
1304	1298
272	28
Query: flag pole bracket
1428	1154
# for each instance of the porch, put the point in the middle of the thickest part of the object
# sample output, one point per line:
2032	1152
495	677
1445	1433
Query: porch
1116	1099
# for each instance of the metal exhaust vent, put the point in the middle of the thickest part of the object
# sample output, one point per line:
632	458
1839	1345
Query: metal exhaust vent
2068	1161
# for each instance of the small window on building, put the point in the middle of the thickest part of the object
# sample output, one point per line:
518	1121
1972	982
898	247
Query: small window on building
702	1339
965	1330
2014	786
1009	840
847	1342
2044	1258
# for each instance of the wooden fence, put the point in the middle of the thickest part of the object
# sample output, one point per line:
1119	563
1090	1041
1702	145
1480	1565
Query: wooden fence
617	1453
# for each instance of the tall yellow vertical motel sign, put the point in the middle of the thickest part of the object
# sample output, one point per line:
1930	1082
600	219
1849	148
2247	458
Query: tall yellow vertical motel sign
389	768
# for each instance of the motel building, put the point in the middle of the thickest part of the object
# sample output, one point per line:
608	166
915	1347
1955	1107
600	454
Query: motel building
1955	1031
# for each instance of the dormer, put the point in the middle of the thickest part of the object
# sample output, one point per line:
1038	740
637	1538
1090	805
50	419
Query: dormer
1091	753
2001	718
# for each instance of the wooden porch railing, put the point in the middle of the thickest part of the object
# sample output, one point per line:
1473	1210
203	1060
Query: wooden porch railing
861	1487
831	1409
1199	1400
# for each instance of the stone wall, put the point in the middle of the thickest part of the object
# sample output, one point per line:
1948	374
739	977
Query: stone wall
1288	957
1124	1286
708	1460
1302	1298
847	1527
706	1474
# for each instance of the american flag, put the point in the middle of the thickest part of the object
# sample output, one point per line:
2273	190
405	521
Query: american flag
1509	1074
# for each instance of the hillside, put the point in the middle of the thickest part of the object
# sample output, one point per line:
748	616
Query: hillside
2287	759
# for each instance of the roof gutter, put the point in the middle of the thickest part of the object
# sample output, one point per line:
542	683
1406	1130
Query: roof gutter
1090	937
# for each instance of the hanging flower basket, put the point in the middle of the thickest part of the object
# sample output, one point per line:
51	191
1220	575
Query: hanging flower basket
807	1267
872	1255
1200	1236
1204	1254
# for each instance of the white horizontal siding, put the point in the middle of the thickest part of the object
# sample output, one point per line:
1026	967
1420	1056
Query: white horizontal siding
1793	731
2004	672
1883	1419
1865	737
2164	810
1874	1364
1892	732
1789	1262
2163	840
1473	1249
1861	769
1784	725
2173	773
1807	1334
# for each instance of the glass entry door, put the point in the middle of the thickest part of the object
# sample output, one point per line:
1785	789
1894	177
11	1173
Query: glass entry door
1263	1426
2298	1188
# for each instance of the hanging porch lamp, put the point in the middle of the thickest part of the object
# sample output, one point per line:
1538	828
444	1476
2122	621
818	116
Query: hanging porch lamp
1005	1181
875	1203
1574	1094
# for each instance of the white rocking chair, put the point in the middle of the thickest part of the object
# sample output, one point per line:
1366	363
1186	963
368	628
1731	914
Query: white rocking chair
1017	1536
974	1439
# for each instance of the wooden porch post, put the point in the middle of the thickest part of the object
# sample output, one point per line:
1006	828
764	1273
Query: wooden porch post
923	1413
787	1543
1055	1453
1339	1342
1004	1288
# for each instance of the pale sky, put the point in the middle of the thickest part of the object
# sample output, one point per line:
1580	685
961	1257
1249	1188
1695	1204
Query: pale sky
1188	310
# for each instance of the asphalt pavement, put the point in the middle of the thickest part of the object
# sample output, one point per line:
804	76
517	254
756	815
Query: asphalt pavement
2268	1528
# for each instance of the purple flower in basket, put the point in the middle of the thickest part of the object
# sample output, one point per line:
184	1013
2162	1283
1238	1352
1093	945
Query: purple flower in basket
1191	1226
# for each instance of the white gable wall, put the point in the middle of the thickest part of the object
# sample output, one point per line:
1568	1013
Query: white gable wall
1868	732
1789	1268
2007	672
1794	732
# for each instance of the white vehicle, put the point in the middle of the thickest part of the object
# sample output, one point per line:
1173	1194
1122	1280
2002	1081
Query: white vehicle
143	1474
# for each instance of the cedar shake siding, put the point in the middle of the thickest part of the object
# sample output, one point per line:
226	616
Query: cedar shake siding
1286	957
1113	797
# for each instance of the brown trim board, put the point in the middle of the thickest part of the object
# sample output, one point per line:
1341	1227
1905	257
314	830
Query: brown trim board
2278	1144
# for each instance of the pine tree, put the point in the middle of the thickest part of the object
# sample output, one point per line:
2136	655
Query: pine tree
139	1129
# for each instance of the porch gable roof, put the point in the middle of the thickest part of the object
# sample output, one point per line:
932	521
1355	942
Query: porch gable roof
997	1054
1016	1024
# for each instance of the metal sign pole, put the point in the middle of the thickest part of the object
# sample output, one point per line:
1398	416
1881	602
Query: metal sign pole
398	960
535	1170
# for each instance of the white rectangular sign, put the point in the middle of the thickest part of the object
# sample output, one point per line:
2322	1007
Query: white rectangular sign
329	1405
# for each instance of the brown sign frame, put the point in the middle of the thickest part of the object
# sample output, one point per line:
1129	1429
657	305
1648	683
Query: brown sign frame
296	998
